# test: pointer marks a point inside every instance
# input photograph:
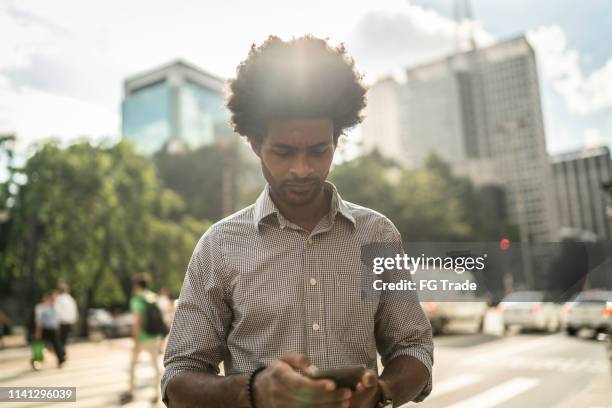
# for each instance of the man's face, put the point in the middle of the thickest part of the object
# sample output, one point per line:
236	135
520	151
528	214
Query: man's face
295	158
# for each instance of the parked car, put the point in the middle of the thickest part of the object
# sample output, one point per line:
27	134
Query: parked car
463	309
102	322
530	310
591	309
122	325
99	321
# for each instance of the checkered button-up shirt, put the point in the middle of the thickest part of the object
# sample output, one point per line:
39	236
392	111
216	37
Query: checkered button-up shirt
258	285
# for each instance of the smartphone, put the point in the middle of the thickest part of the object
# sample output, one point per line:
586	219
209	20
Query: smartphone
345	377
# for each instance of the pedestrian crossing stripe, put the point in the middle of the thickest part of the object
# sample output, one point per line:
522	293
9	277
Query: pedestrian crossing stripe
499	394
512	348
453	384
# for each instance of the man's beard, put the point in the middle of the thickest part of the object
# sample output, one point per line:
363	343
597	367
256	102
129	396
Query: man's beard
294	191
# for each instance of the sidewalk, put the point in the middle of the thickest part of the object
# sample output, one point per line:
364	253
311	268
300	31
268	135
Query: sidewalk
598	394
14	340
16	347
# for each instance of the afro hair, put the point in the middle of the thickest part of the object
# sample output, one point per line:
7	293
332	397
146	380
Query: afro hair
300	78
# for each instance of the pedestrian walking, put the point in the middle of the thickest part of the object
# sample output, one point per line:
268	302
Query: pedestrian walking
147	331
166	306
67	314
47	326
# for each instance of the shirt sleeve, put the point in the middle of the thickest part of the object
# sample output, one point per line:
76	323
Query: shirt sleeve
136	305
402	328
197	340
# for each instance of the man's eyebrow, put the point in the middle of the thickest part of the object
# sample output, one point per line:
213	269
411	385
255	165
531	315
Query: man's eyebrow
283	146
291	147
322	144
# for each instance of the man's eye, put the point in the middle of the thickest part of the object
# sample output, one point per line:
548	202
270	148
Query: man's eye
282	153
319	152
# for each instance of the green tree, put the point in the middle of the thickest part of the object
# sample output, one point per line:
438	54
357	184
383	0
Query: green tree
369	181
213	180
427	204
484	208
94	216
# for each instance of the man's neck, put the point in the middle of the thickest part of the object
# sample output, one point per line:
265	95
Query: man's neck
308	215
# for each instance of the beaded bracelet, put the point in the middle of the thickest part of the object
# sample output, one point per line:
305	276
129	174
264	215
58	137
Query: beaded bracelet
251	388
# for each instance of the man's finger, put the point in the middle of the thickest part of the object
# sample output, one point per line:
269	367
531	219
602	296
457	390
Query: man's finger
367	382
295	360
369	379
297	380
318	398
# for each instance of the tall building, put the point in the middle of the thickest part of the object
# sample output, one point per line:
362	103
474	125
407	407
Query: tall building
175	106
479	110
581	201
382	122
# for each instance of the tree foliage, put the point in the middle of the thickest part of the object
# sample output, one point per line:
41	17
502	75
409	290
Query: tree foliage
198	177
429	204
93	217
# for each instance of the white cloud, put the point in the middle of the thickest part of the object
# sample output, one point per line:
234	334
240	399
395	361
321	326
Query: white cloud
593	138
69	56
63	62
36	115
21	38
560	65
394	35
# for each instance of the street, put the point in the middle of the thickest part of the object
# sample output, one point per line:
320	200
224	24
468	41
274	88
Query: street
471	370
524	370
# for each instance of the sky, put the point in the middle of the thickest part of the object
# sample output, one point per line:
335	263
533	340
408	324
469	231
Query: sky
62	62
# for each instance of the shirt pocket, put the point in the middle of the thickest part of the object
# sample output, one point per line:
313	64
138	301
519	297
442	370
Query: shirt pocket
267	297
353	302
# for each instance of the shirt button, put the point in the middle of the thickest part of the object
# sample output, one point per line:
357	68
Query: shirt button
313	281
316	327
309	241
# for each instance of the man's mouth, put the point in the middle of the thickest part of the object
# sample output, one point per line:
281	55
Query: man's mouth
300	187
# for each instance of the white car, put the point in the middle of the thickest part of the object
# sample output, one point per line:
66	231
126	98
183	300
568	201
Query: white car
99	321
462	309
591	309
529	310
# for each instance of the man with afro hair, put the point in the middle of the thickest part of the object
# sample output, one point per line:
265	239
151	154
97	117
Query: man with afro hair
274	291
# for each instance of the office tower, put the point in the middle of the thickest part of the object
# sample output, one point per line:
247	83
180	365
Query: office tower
382	120
480	111
581	201
176	106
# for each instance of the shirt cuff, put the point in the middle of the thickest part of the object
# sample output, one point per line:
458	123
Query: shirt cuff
424	356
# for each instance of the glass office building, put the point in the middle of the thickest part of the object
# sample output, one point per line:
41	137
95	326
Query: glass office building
177	106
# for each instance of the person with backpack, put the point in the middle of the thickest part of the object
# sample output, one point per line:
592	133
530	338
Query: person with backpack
147	331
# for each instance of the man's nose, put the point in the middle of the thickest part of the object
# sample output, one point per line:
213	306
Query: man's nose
301	167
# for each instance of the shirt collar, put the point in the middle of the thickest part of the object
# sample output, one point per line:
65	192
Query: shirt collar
264	206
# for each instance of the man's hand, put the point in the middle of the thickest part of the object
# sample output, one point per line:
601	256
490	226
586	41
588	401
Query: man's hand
367	393
281	386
